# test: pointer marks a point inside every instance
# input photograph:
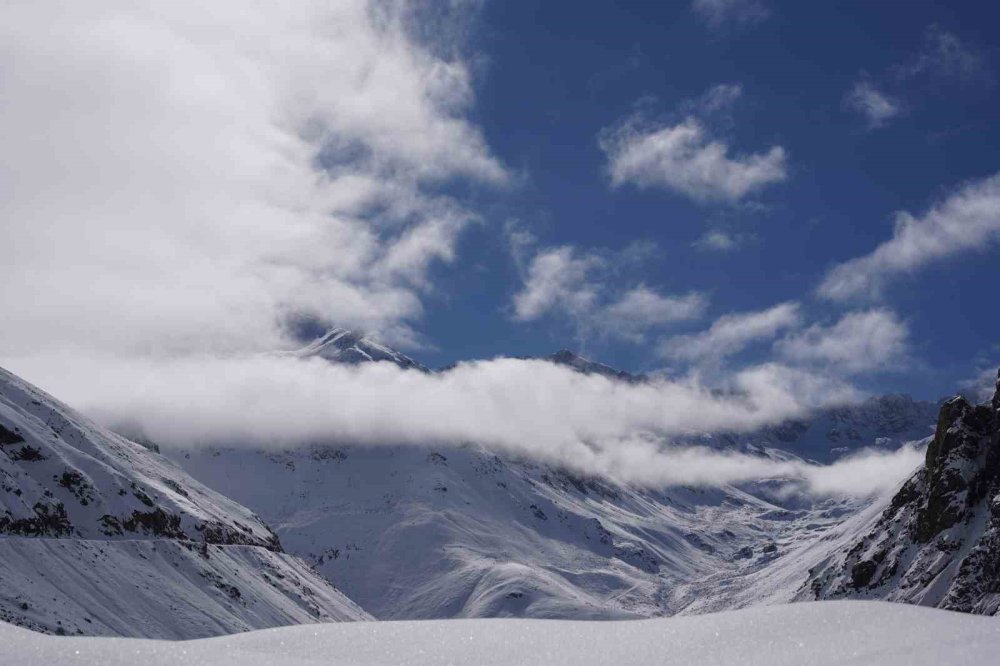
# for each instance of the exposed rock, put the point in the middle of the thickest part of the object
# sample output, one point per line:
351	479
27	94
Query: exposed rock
937	543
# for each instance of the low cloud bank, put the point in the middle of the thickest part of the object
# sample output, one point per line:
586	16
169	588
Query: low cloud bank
522	407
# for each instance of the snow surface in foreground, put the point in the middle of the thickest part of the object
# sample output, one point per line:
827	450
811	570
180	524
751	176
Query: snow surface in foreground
834	632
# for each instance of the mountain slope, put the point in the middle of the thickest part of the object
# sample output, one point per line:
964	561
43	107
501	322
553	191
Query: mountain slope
824	634
580	364
100	535
936	542
443	532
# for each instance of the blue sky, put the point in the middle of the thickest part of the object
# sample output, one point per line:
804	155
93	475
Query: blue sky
549	81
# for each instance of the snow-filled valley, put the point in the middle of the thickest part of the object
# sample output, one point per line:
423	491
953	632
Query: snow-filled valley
411	533
824	634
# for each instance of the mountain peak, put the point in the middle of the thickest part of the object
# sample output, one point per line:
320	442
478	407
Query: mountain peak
573	360
349	346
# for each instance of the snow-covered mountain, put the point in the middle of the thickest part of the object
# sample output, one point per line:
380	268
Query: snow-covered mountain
340	345
439	531
99	535
827	634
463	532
936	542
886	422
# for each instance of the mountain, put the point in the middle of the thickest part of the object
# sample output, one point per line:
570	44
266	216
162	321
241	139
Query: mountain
936	542
462	531
340	345
100	535
885	421
580	364
438	532
828	634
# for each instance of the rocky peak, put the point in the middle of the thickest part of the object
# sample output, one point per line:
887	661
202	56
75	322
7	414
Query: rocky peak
937	542
580	364
996	394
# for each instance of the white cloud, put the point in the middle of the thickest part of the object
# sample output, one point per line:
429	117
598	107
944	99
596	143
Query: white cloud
558	279
731	334
581	287
859	342
717	240
984	384
944	56
531	408
723	13
866	472
876	106
640	308
718	98
968	220
178	175
685	158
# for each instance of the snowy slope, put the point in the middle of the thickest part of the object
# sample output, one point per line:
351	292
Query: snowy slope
101	535
462	532
823	634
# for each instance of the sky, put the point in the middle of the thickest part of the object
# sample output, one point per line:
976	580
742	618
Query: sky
799	204
806	76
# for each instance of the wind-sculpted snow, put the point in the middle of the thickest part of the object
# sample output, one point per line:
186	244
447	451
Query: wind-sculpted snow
100	535
820	634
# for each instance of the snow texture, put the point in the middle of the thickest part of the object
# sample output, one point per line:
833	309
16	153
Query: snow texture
835	633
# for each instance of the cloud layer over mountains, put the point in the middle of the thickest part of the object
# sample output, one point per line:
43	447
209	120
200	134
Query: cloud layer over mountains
533	408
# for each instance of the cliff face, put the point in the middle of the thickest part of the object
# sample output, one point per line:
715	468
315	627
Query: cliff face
937	543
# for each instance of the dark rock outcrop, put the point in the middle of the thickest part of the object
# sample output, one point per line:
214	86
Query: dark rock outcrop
937	543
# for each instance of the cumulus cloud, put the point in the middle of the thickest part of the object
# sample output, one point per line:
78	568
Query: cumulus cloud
876	106
724	13
182	175
858	342
967	220
731	334
685	158
582	286
558	278
588	423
